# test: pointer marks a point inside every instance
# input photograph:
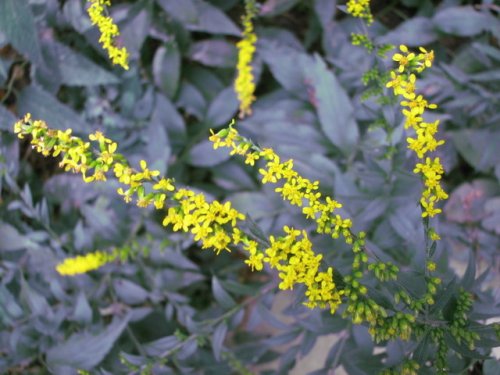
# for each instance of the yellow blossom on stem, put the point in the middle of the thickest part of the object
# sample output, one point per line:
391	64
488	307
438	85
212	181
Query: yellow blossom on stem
244	85
83	263
360	9
403	82
109	31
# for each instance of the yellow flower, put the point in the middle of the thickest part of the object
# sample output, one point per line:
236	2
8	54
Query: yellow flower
83	263
404	59
109	31
244	85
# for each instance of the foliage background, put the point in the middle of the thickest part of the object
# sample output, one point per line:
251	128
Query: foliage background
177	309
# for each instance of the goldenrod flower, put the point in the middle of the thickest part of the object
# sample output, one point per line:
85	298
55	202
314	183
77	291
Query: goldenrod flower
83	263
403	82
360	9
244	84
109	31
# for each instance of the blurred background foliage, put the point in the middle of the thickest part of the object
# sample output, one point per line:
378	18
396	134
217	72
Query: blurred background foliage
175	308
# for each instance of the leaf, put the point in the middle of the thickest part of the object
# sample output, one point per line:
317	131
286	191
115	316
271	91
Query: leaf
461	348
335	111
136	28
85	350
12	240
37	303
160	346
13	14
73	68
416	31
204	155
218	339
167	68
42	105
256	204
7	119
191	99
165	113
309	78
83	311
199	15
158	149
275	7
130	292
220	295
462	21
325	10
478	147
223	107
470	272
9	308
214	53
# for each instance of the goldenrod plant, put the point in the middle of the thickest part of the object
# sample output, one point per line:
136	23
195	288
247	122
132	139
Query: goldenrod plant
97	10
244	84
357	232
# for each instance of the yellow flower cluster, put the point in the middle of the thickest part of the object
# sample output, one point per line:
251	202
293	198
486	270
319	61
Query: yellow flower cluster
214	224
109	31
360	9
244	84
297	190
206	221
403	82
296	263
84	263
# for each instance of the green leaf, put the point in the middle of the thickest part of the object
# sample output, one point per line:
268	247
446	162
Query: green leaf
204	155
13	14
42	105
85	350
199	15
220	295
214	53
462	21
72	68
167	68
335	111
12	240
416	31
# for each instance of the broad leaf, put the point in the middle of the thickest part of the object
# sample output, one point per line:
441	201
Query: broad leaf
199	15
25	39
86	350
